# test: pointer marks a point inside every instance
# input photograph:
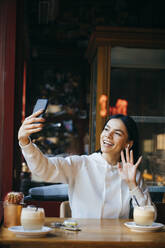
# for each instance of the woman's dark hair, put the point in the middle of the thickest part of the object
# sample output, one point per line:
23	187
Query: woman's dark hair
132	130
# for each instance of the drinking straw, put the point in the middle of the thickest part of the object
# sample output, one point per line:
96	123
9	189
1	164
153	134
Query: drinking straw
136	200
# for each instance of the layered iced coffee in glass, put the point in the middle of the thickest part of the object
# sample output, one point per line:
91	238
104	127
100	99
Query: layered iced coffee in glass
32	218
144	215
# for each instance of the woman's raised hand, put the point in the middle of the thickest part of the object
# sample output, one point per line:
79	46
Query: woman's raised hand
127	169
32	124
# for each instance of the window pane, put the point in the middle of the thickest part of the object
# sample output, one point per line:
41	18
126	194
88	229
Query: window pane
143	89
140	93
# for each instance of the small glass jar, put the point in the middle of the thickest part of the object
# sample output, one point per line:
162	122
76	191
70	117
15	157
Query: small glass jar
12	214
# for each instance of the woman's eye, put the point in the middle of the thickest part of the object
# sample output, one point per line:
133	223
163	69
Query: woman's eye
118	134
106	129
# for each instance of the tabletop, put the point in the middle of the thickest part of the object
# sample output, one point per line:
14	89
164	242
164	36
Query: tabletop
101	233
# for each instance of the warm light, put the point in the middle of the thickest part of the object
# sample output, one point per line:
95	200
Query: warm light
147	176
120	107
103	104
160	141
148	145
159	179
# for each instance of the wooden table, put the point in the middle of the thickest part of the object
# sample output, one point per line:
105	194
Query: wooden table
95	233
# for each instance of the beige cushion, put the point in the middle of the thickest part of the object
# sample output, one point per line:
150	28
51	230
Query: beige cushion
65	211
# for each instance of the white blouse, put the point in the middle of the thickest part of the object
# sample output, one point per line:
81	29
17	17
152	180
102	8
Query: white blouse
96	189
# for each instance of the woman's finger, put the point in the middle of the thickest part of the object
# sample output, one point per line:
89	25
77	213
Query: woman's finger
35	130
34	125
28	128
131	157
30	131
122	157
127	154
35	114
139	161
33	120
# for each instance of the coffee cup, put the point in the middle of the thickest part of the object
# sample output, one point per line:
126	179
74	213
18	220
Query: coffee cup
144	215
32	218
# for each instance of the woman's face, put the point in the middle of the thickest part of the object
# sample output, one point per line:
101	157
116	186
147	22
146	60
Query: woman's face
114	137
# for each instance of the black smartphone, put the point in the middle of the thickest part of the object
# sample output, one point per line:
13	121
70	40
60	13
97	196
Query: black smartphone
41	104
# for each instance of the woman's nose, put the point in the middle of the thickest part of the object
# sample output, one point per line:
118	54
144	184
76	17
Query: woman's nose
110	134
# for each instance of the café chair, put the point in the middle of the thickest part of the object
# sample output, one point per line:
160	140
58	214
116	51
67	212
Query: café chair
65	211
160	212
48	197
56	192
157	194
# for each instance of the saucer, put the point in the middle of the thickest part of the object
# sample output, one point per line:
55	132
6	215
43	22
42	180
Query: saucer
20	232
137	228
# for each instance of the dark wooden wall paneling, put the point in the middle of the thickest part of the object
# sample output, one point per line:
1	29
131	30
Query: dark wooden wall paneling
7	80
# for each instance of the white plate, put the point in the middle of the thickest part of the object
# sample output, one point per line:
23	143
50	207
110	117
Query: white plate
154	227
20	232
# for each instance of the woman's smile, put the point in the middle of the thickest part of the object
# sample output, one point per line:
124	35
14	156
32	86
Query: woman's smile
107	143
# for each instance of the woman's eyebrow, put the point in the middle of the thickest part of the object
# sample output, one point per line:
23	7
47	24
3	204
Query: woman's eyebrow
118	130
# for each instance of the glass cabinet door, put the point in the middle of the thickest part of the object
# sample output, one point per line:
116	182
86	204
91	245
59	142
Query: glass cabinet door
137	88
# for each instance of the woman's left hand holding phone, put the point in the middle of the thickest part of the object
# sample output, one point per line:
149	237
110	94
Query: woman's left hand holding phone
31	124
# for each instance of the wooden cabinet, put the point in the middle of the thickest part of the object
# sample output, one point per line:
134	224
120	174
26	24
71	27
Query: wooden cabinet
106	50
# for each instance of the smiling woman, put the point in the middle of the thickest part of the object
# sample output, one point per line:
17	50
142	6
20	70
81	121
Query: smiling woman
101	184
120	134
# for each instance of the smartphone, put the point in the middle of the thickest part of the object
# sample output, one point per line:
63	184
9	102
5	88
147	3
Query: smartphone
41	104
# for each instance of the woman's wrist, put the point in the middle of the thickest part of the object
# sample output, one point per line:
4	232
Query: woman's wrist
132	186
24	141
